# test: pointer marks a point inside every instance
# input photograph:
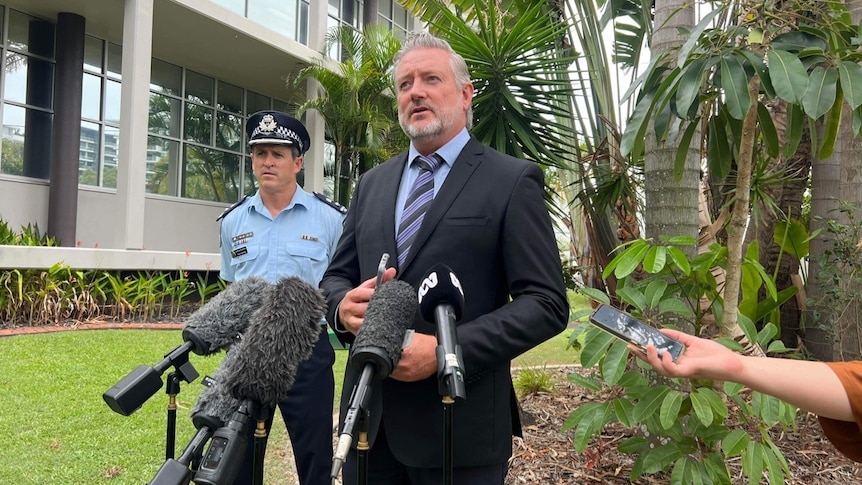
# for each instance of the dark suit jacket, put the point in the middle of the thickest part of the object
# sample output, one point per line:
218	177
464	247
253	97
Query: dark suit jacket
489	224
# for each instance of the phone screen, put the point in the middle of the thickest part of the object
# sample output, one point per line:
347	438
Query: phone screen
628	328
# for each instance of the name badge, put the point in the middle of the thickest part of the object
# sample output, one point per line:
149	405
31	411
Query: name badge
239	252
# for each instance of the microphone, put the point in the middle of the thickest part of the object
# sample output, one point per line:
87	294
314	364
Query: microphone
217	324
213	327
281	335
215	405
441	299
377	350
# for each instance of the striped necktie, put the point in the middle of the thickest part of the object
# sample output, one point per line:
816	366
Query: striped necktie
420	197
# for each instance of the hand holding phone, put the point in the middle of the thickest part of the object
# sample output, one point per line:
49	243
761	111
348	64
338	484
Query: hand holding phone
631	330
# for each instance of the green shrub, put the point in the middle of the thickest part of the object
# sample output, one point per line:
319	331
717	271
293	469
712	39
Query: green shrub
688	428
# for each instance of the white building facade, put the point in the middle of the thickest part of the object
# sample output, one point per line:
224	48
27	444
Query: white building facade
122	120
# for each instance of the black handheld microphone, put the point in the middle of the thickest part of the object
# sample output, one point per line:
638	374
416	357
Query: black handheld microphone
213	327
377	350
280	336
224	456
441	299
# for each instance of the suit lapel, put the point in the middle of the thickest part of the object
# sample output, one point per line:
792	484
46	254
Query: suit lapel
388	192
465	165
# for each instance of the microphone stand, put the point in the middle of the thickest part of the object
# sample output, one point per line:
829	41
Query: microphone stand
450	381
260	440
362	448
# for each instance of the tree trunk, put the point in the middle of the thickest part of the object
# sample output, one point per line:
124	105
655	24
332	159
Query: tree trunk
671	203
848	150
738	223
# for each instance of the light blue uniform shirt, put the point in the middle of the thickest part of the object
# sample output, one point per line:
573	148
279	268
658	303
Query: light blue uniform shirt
299	241
448	152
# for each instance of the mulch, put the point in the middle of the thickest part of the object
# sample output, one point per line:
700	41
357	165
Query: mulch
546	455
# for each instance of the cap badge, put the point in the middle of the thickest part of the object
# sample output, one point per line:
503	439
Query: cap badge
268	123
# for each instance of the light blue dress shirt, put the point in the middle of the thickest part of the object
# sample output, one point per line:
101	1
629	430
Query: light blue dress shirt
448	152
299	241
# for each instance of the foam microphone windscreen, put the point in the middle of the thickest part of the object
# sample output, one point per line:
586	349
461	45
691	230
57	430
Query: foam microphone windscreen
440	286
390	312
281	335
216	325
215	405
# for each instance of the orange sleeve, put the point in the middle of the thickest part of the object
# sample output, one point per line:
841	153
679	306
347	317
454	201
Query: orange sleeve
847	438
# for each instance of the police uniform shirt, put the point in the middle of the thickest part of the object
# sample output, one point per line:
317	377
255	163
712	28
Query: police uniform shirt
299	242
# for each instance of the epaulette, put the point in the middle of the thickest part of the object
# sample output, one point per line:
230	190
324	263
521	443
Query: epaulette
227	211
331	203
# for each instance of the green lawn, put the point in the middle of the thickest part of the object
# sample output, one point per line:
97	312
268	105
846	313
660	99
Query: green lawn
55	427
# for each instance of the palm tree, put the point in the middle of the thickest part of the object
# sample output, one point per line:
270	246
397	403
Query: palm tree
356	101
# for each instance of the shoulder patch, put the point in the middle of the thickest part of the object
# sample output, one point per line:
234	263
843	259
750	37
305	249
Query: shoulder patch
331	203
227	211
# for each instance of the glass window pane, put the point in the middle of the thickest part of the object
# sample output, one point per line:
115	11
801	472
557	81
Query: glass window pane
88	154
399	16
91	102
110	158
198	124
229	131
165	78
236	6
229	97
112	101
199	88
93	56
31	34
384	7
302	35
162	163
115	61
164	115
210	174
39	90
12	154
256	102
250	182
278	15
279	105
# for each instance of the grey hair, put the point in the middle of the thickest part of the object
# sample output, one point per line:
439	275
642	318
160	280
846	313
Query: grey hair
425	40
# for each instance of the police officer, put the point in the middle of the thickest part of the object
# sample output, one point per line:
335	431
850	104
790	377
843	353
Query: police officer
283	231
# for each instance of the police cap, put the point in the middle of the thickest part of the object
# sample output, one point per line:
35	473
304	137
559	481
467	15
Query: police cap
277	128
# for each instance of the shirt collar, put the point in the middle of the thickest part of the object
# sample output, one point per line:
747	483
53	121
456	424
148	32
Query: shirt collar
300	197
448	152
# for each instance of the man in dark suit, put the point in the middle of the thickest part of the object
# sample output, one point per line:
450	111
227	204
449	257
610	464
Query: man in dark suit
488	223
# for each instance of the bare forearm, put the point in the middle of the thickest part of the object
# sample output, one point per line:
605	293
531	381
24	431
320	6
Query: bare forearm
811	386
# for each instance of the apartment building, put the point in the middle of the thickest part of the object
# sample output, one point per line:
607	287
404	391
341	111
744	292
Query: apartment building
121	121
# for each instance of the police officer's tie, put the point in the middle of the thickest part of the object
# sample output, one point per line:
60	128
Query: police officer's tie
418	200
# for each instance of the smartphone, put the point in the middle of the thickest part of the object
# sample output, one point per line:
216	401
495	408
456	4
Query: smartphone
628	328
381	268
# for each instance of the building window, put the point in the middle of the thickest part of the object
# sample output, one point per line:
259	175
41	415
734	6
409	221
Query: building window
28	95
391	14
196	143
342	13
287	17
100	113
